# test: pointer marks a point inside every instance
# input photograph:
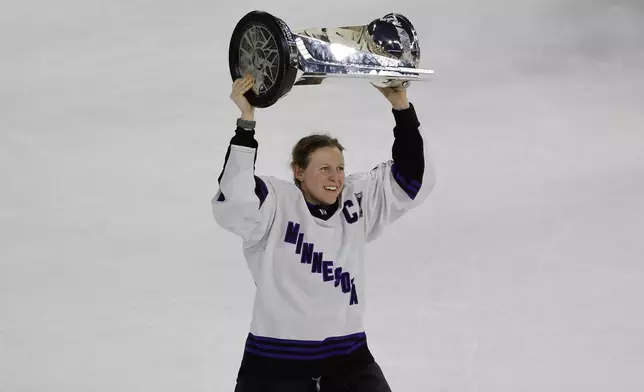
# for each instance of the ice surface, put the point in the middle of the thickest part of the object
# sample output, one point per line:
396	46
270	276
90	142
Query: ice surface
523	272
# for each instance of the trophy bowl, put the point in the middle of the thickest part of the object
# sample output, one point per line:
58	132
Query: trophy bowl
386	52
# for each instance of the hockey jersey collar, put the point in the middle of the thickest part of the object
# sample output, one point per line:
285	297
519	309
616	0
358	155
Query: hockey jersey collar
322	211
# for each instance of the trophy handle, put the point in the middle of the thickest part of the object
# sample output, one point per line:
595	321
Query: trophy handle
263	46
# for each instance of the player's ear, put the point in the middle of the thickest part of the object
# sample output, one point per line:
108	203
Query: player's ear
298	172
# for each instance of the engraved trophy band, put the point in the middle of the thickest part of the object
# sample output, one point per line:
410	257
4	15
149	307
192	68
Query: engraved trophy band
385	52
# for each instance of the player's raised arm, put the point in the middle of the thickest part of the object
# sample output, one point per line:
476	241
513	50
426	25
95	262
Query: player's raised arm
396	186
244	203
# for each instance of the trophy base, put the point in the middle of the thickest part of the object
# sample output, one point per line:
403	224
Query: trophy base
260	46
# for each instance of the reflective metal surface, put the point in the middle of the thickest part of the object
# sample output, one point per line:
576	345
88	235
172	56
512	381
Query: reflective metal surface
386	51
394	35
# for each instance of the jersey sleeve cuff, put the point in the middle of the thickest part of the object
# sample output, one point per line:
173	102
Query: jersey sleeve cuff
244	137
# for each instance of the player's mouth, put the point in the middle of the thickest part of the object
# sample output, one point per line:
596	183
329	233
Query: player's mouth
331	188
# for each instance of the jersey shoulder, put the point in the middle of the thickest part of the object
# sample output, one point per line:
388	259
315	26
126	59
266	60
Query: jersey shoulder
365	178
281	187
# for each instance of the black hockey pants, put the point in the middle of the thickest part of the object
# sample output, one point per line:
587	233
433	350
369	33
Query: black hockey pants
367	379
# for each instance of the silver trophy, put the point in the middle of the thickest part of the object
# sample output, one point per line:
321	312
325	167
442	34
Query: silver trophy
385	52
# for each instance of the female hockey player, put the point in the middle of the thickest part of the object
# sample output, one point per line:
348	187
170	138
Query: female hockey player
304	243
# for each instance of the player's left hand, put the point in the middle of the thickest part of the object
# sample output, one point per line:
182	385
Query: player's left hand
397	96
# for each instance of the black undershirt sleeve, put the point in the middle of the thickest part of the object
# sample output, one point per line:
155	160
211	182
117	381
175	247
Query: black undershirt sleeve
407	151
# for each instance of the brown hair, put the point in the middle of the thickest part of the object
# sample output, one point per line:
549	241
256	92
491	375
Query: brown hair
307	146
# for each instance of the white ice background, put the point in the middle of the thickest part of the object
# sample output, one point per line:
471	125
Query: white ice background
524	271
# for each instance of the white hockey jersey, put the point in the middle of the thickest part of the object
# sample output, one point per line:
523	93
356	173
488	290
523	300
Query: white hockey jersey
309	272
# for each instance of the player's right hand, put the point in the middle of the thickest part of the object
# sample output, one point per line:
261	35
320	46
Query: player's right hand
240	87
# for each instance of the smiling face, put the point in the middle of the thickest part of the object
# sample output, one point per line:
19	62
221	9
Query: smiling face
322	180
